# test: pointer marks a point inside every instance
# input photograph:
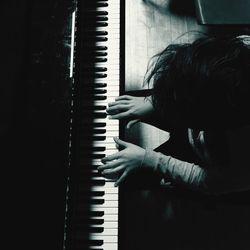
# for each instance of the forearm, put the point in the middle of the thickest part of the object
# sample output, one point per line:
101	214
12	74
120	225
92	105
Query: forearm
186	174
213	181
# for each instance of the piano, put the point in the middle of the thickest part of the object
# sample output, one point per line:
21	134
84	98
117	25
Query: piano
64	61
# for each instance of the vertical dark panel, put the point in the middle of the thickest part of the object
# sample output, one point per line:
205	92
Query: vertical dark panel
34	124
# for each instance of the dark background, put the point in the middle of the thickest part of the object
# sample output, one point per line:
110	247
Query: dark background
34	122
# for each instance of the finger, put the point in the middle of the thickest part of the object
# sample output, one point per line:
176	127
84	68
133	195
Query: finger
109	165
113	173
124	97
111	104
110	157
132	123
117	109
121	142
121	179
122	115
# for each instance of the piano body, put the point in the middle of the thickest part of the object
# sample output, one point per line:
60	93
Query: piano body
65	61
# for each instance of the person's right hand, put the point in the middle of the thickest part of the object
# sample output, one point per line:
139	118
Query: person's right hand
130	107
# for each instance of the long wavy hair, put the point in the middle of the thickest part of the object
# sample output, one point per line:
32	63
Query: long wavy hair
205	83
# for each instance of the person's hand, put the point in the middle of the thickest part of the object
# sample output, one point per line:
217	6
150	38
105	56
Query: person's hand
130	107
119	165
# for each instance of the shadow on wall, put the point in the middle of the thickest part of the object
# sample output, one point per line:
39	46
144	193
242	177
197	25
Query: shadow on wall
176	7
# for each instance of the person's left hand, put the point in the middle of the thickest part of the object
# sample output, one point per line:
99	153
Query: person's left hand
120	164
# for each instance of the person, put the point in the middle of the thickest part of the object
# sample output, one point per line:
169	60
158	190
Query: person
200	95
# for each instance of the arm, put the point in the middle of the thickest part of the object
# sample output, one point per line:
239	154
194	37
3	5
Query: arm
137	109
213	181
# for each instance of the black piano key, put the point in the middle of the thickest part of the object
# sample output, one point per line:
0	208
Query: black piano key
99	138
99	85
87	182
96	221
95	92
99	131
96	4
102	18
81	214
86	200
101	48
100	69
94	108
97	201
99	124
92	156
90	109
101	24
89	69
99	53
98	33
92	25
99	107
92	47
99	149
96	39
101	39
93	19
100	75
89	242
97	193
91	54
100	59
99	97
101	4
98	156
88	124
96	229
100	115
93	97
96	12
87	172
97	213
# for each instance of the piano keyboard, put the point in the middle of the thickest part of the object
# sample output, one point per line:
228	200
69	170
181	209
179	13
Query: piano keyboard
103	85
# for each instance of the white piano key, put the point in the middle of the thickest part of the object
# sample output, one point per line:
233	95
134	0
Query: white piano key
105	246
108	217
108	231
105	189
105	238
107	204
109	134
109	210
109	224
107	120
111	197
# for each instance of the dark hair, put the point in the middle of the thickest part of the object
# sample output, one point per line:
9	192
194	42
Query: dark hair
205	83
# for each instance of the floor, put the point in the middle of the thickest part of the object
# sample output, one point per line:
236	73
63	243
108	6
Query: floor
155	218
150	27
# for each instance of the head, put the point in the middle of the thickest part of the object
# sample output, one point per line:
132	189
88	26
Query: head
203	84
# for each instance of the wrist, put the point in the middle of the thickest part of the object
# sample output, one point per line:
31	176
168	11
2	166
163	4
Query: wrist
151	159
148	106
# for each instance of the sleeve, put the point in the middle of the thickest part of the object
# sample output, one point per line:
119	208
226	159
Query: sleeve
214	181
184	173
